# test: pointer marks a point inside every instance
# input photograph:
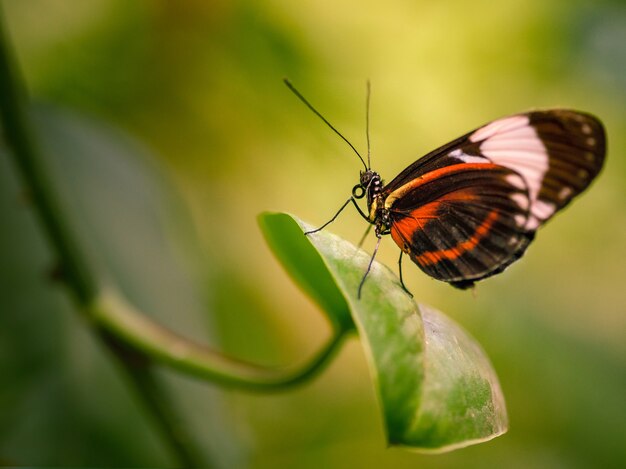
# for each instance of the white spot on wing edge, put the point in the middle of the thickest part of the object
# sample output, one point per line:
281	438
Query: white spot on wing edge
565	192
515	239
520	199
465	158
520	220
532	223
515	181
543	210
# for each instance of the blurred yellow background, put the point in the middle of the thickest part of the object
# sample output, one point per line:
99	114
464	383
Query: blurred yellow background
200	84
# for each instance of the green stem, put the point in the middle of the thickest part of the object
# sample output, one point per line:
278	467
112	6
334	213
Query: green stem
75	270
120	318
19	138
133	339
107	310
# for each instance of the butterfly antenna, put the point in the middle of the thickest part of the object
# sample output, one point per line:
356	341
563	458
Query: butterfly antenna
367	121
317	113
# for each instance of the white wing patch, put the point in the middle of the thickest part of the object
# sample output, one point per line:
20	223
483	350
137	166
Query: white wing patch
498	127
513	143
465	158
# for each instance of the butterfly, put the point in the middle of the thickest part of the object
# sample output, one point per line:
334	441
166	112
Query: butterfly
469	209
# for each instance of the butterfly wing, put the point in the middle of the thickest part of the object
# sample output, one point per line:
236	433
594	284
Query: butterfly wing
470	208
462	222
557	152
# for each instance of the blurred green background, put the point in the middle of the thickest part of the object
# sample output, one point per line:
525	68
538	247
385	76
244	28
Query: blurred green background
172	220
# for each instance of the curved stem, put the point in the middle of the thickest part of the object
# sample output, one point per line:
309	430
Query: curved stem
114	314
108	310
74	267
120	326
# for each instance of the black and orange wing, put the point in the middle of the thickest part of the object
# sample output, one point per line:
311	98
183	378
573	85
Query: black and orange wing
464	222
469	209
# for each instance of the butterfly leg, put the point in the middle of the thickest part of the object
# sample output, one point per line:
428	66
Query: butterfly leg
369	267
351	199
400	272
367	231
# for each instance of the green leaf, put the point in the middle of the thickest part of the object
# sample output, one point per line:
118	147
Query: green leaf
462	402
306	267
436	386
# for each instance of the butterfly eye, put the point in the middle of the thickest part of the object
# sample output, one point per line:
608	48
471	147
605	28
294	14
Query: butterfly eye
358	192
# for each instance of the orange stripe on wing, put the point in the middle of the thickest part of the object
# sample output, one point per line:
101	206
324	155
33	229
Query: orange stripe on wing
433	257
432	175
402	229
